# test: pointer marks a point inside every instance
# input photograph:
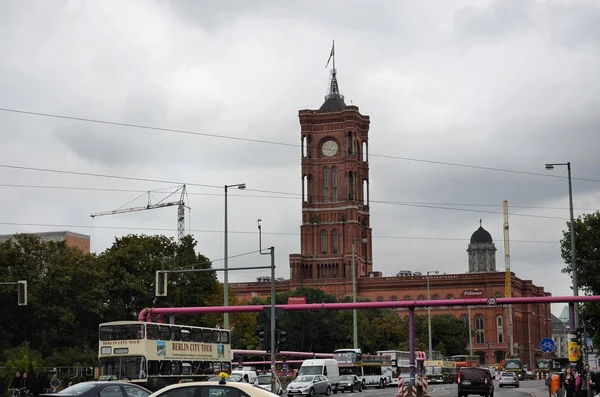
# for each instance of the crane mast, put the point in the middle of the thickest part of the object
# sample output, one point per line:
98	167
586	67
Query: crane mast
181	206
508	279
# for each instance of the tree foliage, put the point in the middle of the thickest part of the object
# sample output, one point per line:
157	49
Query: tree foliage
587	249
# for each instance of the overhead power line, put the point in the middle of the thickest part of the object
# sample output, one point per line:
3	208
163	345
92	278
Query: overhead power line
157	229
264	191
288	197
269	142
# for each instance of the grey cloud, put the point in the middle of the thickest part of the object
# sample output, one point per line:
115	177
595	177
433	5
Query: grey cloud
499	18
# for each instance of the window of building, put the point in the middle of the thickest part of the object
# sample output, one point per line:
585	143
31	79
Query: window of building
379	299
334	184
323	242
436	297
407	298
479	329
393	299
499	329
498	295
326	185
334	241
421	297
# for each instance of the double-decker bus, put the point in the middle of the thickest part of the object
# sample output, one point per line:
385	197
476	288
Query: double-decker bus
464	361
515	366
372	370
440	371
401	365
156	355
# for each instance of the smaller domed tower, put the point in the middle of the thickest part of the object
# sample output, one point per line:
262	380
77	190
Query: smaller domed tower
482	252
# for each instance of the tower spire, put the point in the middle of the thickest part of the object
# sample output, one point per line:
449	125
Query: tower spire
333	100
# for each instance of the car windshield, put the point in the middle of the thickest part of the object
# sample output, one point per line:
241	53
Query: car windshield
78	388
305	378
346	378
264	380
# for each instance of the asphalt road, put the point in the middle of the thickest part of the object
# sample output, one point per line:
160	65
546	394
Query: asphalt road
528	388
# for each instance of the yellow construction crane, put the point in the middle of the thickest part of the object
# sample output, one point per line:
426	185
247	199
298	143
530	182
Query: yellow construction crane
508	279
181	206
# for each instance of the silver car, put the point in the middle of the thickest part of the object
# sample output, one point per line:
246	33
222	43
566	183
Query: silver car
264	382
309	385
509	379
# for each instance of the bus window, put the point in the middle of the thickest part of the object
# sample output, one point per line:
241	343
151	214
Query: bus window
197	335
225	337
175	333
152	331
216	337
206	336
165	332
175	367
186	335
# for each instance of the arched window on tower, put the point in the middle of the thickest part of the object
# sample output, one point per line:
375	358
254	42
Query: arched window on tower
334	241
323	242
365	192
325	185
305	188
304	147
365	153
349	186
479	329
334	184
500	328
354	196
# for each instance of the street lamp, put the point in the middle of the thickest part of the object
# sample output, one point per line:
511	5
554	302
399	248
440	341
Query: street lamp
573	252
354	320
240	186
429	312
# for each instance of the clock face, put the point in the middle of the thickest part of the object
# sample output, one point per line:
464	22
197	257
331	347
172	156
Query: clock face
329	148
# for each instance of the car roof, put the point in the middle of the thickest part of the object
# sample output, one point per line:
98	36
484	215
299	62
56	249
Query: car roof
238	385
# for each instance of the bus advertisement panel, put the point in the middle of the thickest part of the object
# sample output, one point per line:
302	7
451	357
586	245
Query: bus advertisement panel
400	364
155	355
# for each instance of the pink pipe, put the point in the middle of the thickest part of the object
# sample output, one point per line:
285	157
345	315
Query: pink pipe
283	353
367	305
268	362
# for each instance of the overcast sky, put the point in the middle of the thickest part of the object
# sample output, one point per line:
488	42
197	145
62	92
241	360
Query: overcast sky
500	84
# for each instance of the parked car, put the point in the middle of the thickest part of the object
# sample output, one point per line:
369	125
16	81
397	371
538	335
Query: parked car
475	381
350	383
264	382
101	388
309	385
509	379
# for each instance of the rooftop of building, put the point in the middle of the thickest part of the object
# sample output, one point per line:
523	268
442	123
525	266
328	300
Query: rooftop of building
56	234
481	236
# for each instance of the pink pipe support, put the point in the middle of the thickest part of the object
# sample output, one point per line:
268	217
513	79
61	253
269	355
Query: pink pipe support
367	305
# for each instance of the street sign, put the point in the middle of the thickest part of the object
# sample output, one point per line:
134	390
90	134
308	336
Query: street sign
547	345
491	301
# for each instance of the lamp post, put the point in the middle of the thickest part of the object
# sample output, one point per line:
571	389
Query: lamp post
354	319
240	186
429	312
575	321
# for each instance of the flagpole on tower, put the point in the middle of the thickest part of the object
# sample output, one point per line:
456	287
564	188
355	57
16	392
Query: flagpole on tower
333	54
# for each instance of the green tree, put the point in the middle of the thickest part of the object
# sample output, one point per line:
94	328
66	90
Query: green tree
587	245
449	334
65	294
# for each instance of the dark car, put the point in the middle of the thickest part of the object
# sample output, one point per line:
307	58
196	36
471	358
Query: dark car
101	389
350	383
475	381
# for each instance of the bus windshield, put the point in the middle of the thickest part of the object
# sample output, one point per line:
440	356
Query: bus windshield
433	370
513	364
122	332
122	368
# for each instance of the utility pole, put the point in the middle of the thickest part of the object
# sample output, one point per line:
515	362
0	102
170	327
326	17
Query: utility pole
273	312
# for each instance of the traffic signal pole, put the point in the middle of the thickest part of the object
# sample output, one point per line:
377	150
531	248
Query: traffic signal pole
273	313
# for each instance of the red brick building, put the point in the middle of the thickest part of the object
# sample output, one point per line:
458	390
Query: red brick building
336	229
76	240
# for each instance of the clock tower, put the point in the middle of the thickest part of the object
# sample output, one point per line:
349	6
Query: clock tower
335	193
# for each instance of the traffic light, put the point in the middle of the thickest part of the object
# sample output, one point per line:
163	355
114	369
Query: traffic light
22	293
265	340
281	337
577	335
161	283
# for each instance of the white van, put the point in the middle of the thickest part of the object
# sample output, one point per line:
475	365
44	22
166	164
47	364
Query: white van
327	367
